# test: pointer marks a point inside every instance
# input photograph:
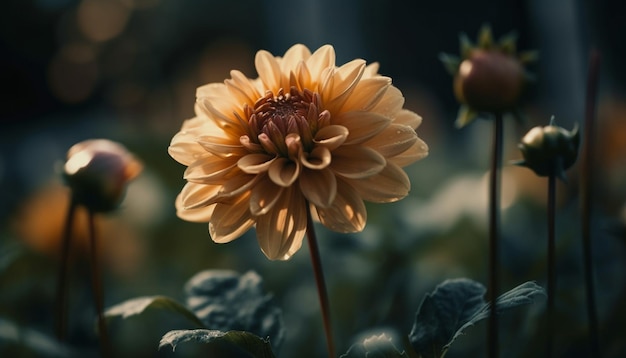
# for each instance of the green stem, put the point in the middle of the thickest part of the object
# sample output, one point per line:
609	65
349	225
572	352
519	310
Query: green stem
97	288
551	261
494	233
586	180
61	292
319	280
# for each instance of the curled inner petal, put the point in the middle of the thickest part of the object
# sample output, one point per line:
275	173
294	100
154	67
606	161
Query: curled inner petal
255	163
284	172
331	136
318	159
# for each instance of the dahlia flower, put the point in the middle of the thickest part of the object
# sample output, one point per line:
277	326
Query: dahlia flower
305	136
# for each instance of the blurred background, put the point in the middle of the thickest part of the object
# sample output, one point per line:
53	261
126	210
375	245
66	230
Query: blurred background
127	70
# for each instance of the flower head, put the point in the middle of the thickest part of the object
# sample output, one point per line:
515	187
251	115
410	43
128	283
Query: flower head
489	77
304	133
549	150
98	171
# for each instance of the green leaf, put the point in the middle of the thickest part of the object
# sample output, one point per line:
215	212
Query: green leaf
228	301
456	305
226	344
34	343
374	347
139	305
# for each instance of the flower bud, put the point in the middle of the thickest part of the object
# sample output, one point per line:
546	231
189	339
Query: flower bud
489	81
98	172
549	150
489	76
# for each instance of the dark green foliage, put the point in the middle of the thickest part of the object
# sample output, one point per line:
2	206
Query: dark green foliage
456	305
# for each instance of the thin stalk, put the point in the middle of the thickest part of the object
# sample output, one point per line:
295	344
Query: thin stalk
551	260
61	293
319	280
494	234
97	288
586	181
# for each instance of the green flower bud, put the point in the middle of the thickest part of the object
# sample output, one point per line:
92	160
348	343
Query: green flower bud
549	150
98	172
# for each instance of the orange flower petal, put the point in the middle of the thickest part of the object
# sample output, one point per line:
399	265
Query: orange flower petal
223	120
302	75
186	150
209	170
294	55
239	85
362	125
229	221
321	59
347	213
236	186
210	90
408	118
264	196
390	185
357	162
198	215
319	186
394	140
367	94
371	70
195	196
293	64
222	147
184	147
268	69
417	151
390	104
343	83
217	103
280	232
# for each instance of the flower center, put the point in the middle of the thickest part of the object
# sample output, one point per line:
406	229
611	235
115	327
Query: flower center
294	114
